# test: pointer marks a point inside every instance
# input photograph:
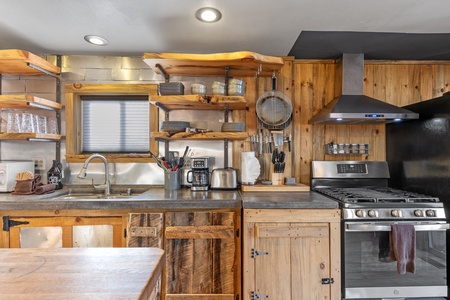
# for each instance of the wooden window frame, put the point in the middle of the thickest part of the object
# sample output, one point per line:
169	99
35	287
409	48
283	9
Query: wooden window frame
73	93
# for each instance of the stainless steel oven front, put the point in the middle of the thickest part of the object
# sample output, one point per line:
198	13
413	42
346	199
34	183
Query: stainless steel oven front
369	273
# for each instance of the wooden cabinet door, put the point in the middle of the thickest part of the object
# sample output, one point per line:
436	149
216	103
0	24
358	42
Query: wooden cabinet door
291	259
202	255
291	254
67	225
145	230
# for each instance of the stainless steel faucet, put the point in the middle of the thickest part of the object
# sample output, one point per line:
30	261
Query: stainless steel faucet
107	185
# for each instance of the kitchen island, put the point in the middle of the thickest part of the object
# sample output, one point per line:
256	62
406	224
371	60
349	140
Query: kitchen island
80	273
200	231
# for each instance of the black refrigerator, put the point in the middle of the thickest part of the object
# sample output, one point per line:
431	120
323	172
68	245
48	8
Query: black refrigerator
418	153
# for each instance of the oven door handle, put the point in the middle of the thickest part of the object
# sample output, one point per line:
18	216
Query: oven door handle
376	227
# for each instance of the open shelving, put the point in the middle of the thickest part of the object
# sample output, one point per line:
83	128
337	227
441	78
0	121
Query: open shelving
20	62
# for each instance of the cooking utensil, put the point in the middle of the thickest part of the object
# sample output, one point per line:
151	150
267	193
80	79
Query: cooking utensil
274	108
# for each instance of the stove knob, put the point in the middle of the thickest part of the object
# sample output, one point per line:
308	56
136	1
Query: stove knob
372	213
418	213
359	213
430	213
395	213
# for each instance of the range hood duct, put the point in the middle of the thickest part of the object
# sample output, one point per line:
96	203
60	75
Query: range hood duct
352	107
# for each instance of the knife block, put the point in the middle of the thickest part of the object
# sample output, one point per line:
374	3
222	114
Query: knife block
277	178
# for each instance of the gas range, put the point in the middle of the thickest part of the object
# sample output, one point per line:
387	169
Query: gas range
361	189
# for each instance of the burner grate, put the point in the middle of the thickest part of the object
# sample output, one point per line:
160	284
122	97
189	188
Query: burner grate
375	195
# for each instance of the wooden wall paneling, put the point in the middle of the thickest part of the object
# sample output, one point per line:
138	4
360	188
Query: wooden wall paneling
414	83
286	86
446	73
426	83
393	85
438	80
303	102
263	84
324	83
405	90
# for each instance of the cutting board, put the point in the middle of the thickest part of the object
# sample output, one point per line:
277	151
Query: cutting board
275	188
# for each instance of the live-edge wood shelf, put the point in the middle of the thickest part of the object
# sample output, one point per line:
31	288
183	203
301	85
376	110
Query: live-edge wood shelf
14	61
29	136
166	136
199	102
26	102
242	63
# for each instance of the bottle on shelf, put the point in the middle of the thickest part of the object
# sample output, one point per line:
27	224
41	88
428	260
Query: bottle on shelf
54	175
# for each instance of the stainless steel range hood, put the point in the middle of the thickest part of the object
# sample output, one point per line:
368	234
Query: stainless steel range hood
352	107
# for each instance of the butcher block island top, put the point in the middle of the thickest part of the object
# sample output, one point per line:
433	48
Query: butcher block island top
79	273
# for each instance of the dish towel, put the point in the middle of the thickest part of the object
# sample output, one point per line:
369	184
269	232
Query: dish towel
45	188
403	247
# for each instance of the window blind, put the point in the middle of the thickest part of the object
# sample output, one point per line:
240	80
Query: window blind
115	124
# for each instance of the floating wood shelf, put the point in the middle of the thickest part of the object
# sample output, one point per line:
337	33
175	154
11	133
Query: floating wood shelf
14	61
29	136
166	136
26	101
243	63
199	102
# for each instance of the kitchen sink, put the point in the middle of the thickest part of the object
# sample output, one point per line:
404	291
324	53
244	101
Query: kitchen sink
76	196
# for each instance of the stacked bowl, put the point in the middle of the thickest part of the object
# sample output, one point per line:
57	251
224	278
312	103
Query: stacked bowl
236	87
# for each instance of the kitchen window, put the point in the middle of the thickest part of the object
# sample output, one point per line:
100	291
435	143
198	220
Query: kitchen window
115	124
113	119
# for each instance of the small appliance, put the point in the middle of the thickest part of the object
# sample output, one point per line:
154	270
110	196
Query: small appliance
8	171
199	179
224	179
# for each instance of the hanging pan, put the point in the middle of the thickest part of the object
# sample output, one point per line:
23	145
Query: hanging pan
274	108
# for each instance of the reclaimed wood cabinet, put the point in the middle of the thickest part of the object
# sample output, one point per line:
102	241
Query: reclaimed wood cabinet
203	258
291	254
66	229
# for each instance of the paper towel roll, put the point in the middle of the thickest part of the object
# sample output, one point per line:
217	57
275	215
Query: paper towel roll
250	168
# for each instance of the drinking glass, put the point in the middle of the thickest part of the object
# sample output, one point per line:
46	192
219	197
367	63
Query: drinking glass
41	124
52	125
27	124
13	124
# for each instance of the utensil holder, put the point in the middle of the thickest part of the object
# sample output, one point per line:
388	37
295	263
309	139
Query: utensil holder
172	180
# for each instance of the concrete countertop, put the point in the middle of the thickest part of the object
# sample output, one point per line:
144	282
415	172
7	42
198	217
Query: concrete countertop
286	200
151	198
158	198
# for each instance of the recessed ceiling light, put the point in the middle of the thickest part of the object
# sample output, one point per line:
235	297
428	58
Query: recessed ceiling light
208	14
96	40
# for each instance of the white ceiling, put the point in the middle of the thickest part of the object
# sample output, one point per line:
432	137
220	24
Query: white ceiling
269	27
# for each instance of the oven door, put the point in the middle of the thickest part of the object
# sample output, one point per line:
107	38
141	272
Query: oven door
370	274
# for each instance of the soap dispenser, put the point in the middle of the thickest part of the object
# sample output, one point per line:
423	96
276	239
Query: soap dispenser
54	175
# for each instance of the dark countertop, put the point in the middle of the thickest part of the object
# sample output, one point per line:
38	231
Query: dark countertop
159	198
286	200
151	198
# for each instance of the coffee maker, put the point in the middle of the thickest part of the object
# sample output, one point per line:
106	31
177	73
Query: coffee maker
198	176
